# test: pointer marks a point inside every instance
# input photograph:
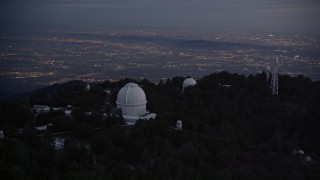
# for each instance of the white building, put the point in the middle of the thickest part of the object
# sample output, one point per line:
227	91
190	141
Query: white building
132	101
68	112
189	82
226	85
88	87
43	128
308	159
41	108
179	125
57	108
1	134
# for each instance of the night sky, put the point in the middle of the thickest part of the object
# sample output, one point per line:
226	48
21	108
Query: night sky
285	16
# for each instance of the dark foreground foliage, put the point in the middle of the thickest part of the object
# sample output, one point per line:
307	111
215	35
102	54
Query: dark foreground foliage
240	132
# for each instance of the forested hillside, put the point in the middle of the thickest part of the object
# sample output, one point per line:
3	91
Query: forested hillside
240	131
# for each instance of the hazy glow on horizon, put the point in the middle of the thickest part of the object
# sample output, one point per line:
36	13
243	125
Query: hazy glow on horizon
209	15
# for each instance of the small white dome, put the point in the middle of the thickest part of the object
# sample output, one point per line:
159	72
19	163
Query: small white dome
189	82
308	159
131	100
301	152
88	87
179	125
1	134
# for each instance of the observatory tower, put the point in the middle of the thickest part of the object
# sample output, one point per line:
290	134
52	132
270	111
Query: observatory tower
131	99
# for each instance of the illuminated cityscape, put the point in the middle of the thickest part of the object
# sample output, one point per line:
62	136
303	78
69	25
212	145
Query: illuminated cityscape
57	57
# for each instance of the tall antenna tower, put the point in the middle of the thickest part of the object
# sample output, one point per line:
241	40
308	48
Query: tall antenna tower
274	78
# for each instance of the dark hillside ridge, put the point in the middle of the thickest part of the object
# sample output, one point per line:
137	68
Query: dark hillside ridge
239	131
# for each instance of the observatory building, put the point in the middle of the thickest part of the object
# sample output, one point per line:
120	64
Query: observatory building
1	134
189	82
88	87
179	125
132	101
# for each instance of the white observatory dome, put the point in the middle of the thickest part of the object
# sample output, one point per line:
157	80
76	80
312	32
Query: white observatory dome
131	100
301	152
308	159
1	134
179	125
189	82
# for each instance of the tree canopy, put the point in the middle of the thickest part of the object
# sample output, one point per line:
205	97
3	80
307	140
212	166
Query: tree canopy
240	131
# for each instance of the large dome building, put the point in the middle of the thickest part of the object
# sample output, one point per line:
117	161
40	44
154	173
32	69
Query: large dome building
189	82
132	100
